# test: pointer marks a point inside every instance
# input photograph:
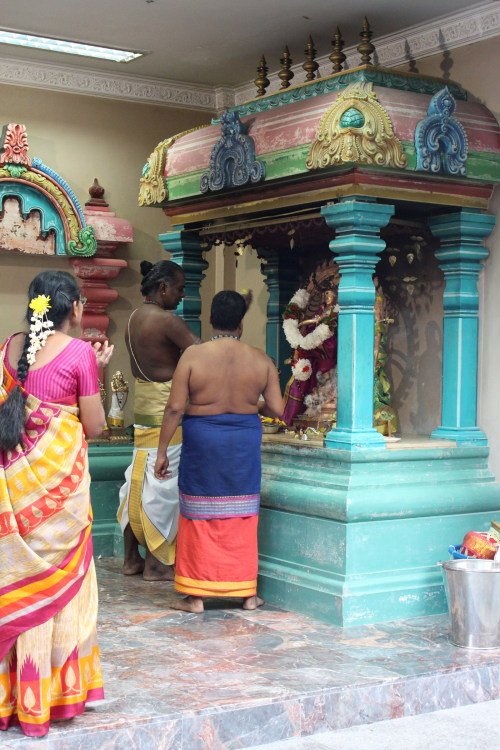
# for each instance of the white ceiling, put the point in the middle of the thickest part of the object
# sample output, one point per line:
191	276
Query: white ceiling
208	42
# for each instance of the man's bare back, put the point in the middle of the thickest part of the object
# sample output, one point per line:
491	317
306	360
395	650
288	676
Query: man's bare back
221	376
155	336
155	340
225	360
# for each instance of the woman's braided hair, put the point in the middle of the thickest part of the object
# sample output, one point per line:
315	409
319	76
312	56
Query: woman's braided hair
153	274
63	290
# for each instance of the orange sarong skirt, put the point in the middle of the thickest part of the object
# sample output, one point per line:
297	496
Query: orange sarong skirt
217	557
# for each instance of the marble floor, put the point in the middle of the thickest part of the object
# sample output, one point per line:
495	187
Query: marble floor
474	727
232	679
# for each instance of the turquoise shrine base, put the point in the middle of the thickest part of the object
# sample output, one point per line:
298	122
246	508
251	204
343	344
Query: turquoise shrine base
107	463
355	538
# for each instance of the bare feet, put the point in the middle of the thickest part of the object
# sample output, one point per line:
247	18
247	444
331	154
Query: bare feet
252	602
133	564
133	568
154	570
189	604
167	575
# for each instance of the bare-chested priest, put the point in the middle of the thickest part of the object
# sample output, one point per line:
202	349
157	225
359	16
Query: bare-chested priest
220	470
155	339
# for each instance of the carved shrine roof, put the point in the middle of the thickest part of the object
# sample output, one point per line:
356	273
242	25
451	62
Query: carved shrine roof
365	130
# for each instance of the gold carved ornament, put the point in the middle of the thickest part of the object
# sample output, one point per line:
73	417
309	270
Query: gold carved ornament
152	183
153	187
356	128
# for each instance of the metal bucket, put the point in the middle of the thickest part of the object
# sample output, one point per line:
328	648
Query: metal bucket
473	594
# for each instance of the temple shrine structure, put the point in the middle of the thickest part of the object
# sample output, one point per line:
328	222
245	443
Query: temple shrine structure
389	175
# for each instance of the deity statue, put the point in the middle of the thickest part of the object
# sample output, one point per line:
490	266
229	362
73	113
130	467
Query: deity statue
313	336
119	395
310	325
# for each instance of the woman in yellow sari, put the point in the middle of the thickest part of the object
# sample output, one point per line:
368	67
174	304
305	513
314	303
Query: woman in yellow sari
49	401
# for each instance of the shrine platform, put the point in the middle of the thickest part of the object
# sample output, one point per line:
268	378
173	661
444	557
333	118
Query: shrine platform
232	679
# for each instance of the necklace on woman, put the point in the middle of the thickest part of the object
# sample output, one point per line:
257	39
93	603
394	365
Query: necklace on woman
225	336
151	302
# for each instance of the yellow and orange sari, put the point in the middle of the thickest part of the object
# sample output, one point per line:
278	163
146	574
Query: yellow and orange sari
49	658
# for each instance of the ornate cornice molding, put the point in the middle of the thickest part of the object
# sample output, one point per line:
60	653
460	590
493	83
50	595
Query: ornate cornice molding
109	86
472	25
455	30
224	98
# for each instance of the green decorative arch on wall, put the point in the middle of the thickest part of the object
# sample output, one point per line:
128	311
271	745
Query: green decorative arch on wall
38	188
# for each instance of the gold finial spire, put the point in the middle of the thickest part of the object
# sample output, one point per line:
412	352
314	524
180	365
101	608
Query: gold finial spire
365	47
262	82
310	65
285	73
337	57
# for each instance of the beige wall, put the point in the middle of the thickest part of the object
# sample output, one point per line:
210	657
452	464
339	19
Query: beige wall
82	138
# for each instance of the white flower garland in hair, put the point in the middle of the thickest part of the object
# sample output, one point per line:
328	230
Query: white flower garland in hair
40	327
312	340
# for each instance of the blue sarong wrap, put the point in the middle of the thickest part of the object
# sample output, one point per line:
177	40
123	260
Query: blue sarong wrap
220	467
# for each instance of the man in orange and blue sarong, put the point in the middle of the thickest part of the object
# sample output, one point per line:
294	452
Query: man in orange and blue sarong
219	495
220	472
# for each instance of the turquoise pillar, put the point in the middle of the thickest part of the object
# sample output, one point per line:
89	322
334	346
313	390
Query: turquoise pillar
108	462
280	276
185	248
460	255
357	223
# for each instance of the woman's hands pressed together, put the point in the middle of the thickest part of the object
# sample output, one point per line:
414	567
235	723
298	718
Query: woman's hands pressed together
103	352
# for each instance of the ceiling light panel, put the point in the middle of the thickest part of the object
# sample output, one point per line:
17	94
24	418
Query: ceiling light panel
70	48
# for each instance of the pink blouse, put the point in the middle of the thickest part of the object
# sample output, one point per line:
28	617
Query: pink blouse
71	374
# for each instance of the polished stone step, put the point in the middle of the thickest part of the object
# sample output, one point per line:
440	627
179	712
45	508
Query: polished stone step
232	679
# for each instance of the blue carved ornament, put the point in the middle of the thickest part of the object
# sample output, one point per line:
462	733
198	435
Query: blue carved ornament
232	161
440	140
38	164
